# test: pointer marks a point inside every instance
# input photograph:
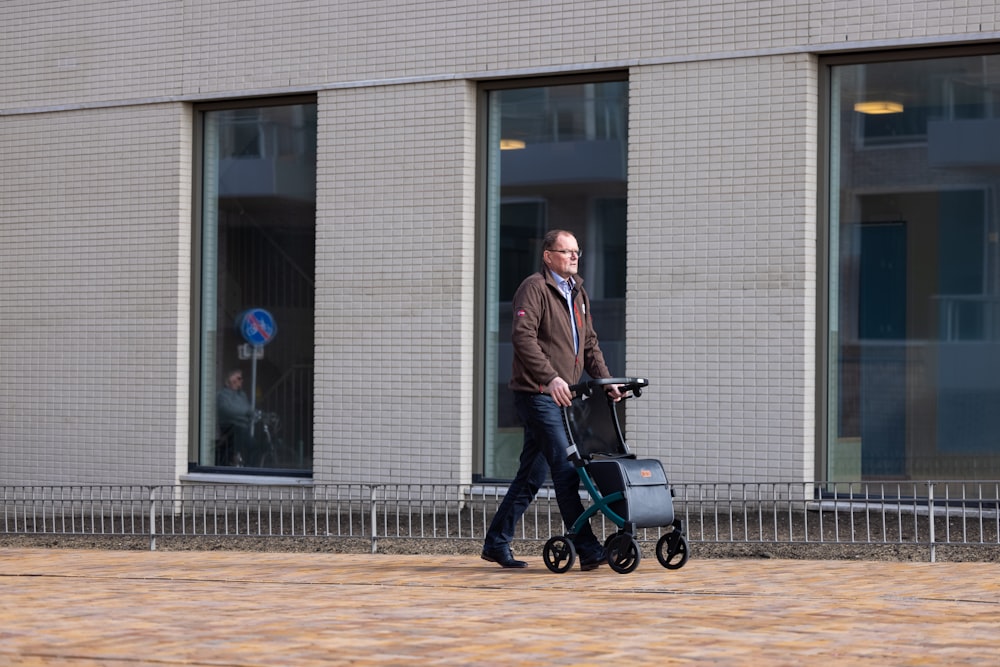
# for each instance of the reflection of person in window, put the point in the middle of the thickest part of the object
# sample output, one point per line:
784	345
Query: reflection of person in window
234	414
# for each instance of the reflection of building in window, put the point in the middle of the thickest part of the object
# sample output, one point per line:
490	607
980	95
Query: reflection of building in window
921	93
563	166
915	350
553	114
270	132
258	234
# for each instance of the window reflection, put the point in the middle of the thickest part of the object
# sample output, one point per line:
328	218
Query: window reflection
915	308
557	160
258	248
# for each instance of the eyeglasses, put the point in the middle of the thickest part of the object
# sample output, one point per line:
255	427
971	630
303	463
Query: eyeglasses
574	253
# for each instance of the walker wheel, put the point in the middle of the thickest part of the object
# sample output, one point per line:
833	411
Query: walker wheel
672	550
623	553
611	538
559	554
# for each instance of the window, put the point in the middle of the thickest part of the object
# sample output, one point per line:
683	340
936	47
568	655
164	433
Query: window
914	297
256	282
556	159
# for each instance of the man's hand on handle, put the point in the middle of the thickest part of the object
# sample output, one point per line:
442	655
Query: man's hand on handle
559	390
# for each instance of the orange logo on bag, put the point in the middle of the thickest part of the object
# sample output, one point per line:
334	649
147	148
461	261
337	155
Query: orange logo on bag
645	473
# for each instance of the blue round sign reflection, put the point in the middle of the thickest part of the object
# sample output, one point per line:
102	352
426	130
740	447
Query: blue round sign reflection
258	326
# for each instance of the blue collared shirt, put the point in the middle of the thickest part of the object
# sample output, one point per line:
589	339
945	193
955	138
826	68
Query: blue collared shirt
567	289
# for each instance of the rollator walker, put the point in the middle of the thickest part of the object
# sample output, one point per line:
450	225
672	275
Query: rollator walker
632	493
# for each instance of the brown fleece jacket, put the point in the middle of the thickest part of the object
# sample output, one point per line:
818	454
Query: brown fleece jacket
543	338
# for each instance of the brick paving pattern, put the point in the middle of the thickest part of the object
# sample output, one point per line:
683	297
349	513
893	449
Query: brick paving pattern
77	608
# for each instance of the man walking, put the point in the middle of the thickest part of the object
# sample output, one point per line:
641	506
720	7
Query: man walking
554	342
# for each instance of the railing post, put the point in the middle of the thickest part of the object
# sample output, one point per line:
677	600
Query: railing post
930	518
374	519
152	518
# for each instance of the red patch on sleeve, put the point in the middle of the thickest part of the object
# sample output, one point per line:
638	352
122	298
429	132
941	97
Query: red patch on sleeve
521	313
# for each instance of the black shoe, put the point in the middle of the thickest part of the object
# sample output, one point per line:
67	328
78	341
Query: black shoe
594	561
502	557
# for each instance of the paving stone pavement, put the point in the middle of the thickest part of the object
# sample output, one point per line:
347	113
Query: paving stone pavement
76	608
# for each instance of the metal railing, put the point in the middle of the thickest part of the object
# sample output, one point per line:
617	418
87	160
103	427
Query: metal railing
925	515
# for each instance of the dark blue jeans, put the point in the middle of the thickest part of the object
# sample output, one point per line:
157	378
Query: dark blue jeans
544	451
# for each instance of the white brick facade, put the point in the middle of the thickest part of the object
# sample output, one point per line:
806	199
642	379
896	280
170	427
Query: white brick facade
395	251
95	285
96	217
722	229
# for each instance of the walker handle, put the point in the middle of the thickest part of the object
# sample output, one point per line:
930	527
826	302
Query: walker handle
628	384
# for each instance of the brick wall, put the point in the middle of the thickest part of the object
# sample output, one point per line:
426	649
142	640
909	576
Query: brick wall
395	263
94	295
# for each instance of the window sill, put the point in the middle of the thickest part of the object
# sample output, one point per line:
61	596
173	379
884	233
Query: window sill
246	480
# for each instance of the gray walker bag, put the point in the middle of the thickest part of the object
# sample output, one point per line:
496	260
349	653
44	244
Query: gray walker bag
647	500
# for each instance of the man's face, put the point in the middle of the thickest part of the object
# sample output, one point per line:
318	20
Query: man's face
564	256
235	381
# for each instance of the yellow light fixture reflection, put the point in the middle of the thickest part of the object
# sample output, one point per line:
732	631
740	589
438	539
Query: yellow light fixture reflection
878	107
511	144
